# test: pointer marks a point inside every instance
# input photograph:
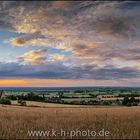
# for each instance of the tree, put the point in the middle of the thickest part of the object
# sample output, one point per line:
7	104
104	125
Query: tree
60	94
30	96
132	99
125	101
43	96
5	101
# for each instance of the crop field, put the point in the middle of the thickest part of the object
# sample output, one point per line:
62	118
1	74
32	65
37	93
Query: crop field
46	105
121	122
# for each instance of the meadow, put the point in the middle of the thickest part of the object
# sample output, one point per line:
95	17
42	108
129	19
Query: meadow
121	122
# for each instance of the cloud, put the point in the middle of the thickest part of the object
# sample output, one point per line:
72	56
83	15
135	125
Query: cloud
18	41
56	57
61	5
84	21
92	32
34	57
27	39
60	71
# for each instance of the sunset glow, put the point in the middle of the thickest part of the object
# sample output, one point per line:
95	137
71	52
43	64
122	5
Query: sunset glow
11	83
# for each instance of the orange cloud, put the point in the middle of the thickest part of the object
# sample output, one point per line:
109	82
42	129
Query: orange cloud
57	57
33	57
18	42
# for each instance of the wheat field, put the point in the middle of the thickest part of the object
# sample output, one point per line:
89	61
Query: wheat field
121	122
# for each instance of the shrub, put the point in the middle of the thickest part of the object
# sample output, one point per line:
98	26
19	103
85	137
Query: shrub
106	103
22	102
134	104
128	104
75	102
5	101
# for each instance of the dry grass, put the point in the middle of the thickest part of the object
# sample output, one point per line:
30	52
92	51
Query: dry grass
56	105
43	104
122	122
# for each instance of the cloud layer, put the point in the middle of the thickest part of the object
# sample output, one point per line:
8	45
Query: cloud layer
60	71
101	39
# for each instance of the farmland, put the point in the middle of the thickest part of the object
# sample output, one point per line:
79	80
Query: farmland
16	121
85	96
46	105
70	112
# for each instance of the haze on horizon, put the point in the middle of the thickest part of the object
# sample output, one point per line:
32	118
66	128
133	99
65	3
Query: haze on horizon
69	43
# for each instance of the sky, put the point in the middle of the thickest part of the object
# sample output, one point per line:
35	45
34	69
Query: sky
69	43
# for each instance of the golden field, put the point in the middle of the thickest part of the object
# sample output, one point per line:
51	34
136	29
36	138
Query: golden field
121	122
44	105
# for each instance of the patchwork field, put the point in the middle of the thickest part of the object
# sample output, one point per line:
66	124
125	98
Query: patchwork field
121	122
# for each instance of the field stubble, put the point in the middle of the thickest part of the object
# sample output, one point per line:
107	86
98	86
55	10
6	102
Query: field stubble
121	122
